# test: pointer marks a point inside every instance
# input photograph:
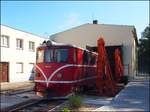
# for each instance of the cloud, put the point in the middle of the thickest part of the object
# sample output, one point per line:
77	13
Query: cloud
73	19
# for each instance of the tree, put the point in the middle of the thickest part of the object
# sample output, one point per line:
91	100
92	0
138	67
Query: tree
144	51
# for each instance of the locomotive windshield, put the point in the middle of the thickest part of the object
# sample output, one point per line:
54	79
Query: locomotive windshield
49	55
52	55
61	55
40	56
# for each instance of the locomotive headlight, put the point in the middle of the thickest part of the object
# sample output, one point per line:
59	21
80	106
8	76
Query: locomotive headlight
59	75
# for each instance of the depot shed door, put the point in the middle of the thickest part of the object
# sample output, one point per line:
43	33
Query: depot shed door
4	67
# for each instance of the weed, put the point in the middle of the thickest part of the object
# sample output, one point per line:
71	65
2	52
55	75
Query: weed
75	101
65	110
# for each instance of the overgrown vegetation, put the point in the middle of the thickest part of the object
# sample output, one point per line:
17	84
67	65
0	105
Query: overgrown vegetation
75	101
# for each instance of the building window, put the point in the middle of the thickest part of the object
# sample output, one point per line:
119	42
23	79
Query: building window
19	44
31	67
4	41
31	46
19	67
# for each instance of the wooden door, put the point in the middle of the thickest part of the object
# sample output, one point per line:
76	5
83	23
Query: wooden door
4	71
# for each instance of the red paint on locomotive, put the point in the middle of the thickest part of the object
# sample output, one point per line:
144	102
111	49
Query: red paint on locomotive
63	69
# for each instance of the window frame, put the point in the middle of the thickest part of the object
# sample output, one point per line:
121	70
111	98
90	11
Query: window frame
51	54
32	45
93	59
75	56
3	37
21	42
21	71
56	55
43	56
85	58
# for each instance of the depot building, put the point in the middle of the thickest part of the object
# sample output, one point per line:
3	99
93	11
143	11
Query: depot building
123	37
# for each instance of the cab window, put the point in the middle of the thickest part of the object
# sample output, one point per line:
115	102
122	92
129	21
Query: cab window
49	55
61	55
40	56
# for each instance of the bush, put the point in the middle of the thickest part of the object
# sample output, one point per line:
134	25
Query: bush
65	110
75	101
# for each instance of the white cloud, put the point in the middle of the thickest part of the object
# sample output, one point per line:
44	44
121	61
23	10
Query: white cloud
72	20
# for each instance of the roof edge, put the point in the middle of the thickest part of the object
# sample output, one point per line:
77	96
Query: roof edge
23	31
68	29
113	25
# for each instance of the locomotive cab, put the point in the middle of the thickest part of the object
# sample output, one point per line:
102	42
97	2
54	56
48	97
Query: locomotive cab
49	70
61	69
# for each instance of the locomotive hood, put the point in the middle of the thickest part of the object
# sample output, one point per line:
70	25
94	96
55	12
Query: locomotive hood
47	71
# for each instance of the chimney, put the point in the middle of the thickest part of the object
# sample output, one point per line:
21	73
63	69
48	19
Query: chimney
95	21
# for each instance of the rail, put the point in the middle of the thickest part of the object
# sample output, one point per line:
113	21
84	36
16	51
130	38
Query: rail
24	105
39	105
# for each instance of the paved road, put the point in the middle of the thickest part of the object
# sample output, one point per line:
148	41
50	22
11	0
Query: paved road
135	97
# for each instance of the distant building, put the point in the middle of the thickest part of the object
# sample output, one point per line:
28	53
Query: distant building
17	54
114	35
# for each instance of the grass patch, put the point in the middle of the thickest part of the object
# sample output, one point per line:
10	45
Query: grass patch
66	109
75	101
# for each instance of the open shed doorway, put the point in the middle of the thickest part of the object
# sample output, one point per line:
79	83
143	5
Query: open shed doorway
110	53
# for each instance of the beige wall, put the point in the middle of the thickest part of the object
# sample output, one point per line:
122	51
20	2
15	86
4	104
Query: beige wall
88	34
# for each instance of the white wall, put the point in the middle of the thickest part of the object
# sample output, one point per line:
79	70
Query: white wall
13	55
88	34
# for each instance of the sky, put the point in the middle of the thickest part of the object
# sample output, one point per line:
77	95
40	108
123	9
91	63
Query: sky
45	18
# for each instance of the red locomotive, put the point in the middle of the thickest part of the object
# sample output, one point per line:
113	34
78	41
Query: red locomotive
64	69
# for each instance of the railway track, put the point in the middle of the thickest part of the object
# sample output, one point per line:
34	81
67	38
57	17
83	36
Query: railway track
32	103
39	106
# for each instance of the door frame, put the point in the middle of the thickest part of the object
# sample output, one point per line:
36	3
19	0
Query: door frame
7	70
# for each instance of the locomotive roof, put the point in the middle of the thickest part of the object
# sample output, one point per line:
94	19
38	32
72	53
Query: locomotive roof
54	44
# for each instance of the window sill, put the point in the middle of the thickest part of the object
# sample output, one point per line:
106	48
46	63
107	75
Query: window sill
19	48
5	46
31	50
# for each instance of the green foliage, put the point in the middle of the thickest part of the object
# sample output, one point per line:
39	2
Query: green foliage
144	51
144	42
75	101
65	110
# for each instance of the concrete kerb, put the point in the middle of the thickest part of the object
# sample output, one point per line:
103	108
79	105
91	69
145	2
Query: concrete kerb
5	87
